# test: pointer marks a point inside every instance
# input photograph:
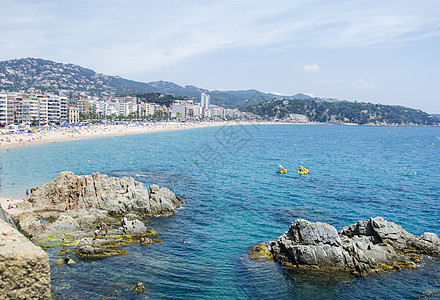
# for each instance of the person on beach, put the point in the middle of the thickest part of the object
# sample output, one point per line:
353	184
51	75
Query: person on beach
96	232
103	226
27	192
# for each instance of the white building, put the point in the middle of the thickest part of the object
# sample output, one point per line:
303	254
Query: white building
34	109
148	109
73	114
205	100
21	108
130	109
217	112
3	110
179	111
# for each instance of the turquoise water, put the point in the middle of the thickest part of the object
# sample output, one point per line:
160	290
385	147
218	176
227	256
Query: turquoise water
234	200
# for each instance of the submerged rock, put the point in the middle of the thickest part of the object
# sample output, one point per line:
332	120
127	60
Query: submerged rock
366	247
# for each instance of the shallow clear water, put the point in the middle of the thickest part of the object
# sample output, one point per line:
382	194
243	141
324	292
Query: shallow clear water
234	200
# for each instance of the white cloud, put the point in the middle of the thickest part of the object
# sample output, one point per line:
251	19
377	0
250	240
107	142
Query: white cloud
311	68
135	36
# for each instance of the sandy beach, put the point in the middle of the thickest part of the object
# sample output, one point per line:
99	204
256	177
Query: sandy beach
50	135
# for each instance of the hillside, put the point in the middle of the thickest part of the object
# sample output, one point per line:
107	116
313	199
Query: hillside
339	112
246	98
45	75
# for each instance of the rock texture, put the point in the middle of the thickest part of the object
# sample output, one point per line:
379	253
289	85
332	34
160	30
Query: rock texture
365	247
117	196
24	267
70	210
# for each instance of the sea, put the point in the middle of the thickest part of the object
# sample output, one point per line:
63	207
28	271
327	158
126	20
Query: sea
234	199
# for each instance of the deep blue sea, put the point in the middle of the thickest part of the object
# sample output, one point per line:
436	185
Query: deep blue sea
234	200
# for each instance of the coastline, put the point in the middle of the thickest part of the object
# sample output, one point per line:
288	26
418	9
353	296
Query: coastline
296	187
52	135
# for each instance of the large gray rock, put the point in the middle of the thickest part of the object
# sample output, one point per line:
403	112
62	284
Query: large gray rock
24	267
117	196
368	246
135	227
163	201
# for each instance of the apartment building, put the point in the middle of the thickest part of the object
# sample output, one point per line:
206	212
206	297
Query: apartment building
3	110
19	108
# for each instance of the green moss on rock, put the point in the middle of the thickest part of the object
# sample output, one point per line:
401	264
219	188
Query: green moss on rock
261	252
105	254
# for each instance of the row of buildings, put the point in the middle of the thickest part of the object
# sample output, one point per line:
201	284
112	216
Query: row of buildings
18	108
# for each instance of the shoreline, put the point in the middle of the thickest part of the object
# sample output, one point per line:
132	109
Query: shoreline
53	135
58	134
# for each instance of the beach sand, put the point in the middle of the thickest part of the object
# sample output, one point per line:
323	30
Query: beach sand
94	131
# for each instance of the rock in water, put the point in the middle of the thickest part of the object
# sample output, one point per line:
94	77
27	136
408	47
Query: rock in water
69	261
117	196
368	246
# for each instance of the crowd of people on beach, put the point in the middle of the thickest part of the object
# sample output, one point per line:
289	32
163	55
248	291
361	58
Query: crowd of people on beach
57	133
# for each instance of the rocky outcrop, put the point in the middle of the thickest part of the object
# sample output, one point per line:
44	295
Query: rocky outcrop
129	233
70	210
24	267
117	196
95	249
135	227
368	246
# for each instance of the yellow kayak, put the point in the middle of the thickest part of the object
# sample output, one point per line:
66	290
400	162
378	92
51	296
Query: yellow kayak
282	171
303	170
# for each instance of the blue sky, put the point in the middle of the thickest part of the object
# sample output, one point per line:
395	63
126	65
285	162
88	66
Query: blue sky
374	51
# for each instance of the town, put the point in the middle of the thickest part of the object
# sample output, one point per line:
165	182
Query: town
37	109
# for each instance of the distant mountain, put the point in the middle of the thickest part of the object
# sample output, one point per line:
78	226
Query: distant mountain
339	112
48	76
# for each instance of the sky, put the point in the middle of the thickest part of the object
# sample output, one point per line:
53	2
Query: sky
384	52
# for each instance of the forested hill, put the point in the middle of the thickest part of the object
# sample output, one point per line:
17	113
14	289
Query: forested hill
48	76
45	75
339	112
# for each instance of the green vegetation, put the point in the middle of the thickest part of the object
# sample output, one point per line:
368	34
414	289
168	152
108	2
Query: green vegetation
166	100
342	112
